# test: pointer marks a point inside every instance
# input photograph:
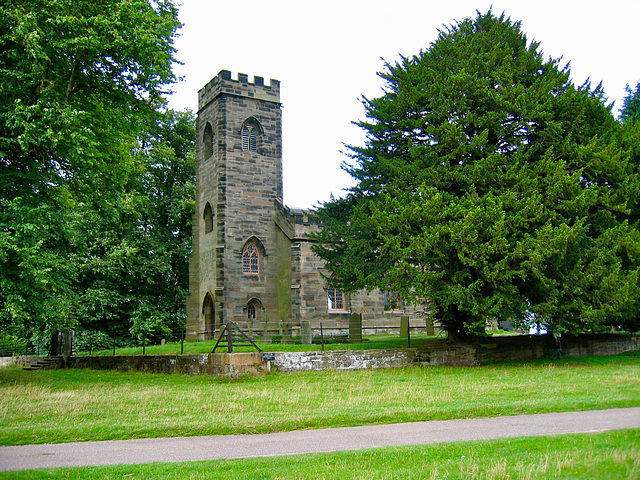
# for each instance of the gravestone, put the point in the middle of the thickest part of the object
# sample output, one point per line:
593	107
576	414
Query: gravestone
286	333
404	327
430	330
305	332
355	328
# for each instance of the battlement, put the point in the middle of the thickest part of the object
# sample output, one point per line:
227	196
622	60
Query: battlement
223	84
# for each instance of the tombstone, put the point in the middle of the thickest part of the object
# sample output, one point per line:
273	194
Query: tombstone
305	332
404	327
286	334
430	330
355	328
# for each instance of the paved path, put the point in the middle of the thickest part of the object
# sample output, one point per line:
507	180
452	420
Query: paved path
310	441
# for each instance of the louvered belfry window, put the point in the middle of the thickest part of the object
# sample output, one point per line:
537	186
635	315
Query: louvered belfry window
249	138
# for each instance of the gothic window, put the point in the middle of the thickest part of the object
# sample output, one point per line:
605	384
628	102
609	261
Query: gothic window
254	311
251	312
335	299
250	259
209	314
251	133
208	218
208	140
249	138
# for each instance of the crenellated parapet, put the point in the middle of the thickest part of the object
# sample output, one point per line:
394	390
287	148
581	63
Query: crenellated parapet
224	84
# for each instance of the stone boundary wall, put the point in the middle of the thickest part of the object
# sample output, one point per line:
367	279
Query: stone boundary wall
344	359
217	364
437	353
6	361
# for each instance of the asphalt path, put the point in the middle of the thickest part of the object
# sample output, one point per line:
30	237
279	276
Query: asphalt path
182	449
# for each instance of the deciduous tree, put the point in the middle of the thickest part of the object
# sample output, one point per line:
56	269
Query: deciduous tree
79	81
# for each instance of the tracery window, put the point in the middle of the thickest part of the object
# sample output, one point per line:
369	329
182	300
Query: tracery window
250	259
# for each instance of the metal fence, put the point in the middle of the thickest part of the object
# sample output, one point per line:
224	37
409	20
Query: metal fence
10	348
88	342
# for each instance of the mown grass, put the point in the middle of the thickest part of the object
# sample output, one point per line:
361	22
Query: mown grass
79	405
332	343
611	455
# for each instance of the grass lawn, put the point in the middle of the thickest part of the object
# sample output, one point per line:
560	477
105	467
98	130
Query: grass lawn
332	343
611	455
78	405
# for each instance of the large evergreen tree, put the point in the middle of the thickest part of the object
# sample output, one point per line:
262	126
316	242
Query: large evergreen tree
487	187
630	111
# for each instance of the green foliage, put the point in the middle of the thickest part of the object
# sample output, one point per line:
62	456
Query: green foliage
133	248
630	111
36	275
96	181
490	187
77	79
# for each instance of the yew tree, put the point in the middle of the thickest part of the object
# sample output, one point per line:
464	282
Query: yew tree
630	111
488	187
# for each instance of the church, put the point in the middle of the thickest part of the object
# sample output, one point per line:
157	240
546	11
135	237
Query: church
252	261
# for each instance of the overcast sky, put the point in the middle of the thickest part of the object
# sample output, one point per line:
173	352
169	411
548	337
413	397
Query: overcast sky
327	55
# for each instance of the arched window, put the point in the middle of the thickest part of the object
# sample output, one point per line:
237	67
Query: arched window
335	299
207	140
249	138
252	314
254	311
208	218
251	132
250	259
209	315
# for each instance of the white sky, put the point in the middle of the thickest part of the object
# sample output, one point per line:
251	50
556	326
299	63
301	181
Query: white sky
327	54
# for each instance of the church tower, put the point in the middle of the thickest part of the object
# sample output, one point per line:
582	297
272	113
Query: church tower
240	266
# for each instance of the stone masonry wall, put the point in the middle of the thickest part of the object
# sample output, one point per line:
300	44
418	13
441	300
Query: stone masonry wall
437	353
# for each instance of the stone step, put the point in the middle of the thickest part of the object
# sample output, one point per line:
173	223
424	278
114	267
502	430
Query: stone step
46	363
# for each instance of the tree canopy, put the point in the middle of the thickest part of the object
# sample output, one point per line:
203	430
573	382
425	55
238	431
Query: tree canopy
630	111
489	187
94	174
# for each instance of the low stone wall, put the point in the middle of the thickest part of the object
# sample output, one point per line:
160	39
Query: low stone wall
6	361
543	346
440	352
219	364
344	359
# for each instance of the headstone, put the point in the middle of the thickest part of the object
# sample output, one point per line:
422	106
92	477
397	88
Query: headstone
404	327
430	330
305	332
355	328
286	334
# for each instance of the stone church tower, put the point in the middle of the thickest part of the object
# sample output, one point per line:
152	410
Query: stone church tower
252	262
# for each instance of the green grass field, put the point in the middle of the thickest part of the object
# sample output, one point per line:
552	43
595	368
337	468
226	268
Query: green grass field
332	343
611	456
78	405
